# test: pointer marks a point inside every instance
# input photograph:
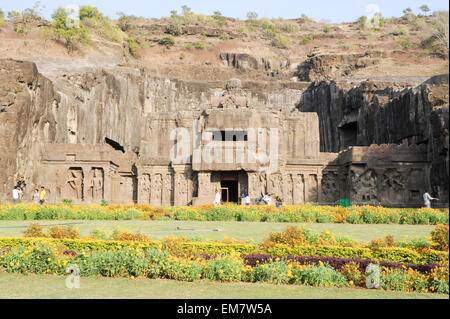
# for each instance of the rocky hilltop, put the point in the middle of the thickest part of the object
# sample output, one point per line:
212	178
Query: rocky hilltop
363	85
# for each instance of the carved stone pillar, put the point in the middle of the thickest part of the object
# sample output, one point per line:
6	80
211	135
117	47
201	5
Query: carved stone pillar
319	188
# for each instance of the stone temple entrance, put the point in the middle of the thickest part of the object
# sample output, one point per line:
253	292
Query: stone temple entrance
232	184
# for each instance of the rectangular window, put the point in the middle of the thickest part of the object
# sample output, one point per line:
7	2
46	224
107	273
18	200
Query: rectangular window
230	136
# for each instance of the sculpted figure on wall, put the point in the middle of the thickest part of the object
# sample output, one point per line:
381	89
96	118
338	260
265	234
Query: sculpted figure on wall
167	189
364	186
180	189
156	189
74	184
95	187
393	186
145	187
298	189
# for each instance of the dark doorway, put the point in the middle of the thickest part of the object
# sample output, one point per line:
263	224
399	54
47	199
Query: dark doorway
229	185
348	135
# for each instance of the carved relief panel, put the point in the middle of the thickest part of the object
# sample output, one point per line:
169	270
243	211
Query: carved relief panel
73	187
95	184
330	187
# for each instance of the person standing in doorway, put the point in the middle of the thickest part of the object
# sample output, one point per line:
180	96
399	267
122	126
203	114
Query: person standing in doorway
42	196
35	197
427	199
217	198
16	193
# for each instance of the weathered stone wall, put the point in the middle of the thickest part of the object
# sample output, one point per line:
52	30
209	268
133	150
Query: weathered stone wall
28	108
381	113
56	131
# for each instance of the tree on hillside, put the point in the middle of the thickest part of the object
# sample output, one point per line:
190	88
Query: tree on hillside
251	16
67	29
24	21
407	11
424	8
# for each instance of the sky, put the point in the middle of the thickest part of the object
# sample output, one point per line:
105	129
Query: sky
335	11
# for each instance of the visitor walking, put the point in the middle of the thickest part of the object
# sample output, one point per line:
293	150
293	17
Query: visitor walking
247	200
35	196
267	200
16	194
427	199
217	198
278	202
42	196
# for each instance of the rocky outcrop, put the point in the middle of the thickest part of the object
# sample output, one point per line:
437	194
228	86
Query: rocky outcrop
28	105
331	66
378	113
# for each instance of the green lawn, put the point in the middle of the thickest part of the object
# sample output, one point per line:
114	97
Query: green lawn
53	287
240	230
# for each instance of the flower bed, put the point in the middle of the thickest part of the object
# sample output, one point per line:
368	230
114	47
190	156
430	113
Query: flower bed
393	254
132	262
287	213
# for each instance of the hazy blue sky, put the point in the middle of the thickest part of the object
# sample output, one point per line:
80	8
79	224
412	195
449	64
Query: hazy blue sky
334	10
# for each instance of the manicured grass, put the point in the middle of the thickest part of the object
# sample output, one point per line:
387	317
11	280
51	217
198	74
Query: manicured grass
53	287
239	230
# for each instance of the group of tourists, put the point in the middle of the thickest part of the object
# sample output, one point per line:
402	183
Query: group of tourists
267	200
261	200
37	198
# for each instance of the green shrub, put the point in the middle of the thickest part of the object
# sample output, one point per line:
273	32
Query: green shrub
199	45
168	41
396	280
404	42
184	270
326	29
188	46
34	230
38	258
400	30
224	268
224	37
304	19
73	36
67	202
287	26
308	38
158	261
219	213
174	29
89	12
276	272
281	41
319	276
219	19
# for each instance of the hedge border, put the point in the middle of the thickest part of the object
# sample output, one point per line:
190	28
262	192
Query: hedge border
391	254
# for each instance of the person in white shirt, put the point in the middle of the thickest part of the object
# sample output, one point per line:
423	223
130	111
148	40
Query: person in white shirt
16	193
268	199
247	200
217	198
427	199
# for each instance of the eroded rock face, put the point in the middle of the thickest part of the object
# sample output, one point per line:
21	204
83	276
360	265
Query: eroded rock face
332	66
28	106
376	113
96	133
245	62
